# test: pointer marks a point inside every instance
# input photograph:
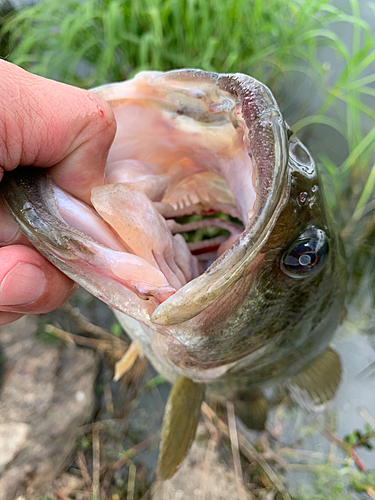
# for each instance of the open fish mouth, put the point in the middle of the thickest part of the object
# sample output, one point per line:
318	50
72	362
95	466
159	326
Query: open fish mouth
188	143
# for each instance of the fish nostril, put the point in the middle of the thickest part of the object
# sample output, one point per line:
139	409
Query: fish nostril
302	197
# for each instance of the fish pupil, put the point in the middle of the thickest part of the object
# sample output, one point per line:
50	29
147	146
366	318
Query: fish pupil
305	260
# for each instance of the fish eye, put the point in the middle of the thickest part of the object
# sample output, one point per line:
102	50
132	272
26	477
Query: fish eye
306	254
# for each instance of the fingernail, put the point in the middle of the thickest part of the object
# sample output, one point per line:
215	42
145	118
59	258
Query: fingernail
23	285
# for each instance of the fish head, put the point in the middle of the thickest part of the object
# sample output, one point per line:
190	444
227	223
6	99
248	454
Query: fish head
283	302
260	301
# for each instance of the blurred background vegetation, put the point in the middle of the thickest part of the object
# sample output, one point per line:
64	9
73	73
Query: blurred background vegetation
317	56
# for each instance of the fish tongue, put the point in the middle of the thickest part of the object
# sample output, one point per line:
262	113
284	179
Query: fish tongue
133	216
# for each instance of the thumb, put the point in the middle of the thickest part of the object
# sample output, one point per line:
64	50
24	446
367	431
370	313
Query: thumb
49	124
83	166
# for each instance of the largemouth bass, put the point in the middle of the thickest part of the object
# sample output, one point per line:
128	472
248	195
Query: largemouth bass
257	300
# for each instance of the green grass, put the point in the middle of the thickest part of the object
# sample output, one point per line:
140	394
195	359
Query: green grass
117	38
330	483
91	42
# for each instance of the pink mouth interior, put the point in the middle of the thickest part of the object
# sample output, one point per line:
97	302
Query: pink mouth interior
172	157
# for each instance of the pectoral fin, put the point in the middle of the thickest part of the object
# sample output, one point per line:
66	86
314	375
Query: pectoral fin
127	361
180	422
317	383
252	409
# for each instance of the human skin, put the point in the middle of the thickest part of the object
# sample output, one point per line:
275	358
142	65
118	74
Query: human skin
49	125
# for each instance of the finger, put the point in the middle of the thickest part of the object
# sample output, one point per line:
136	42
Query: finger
29	283
50	124
83	168
6	318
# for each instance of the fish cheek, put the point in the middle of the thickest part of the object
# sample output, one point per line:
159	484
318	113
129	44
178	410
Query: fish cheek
290	223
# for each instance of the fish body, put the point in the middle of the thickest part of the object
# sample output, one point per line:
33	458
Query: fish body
235	311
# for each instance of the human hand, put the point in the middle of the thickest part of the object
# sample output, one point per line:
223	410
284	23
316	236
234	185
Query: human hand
45	124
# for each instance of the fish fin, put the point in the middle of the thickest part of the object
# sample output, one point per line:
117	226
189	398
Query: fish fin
180	422
317	384
252	410
127	361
